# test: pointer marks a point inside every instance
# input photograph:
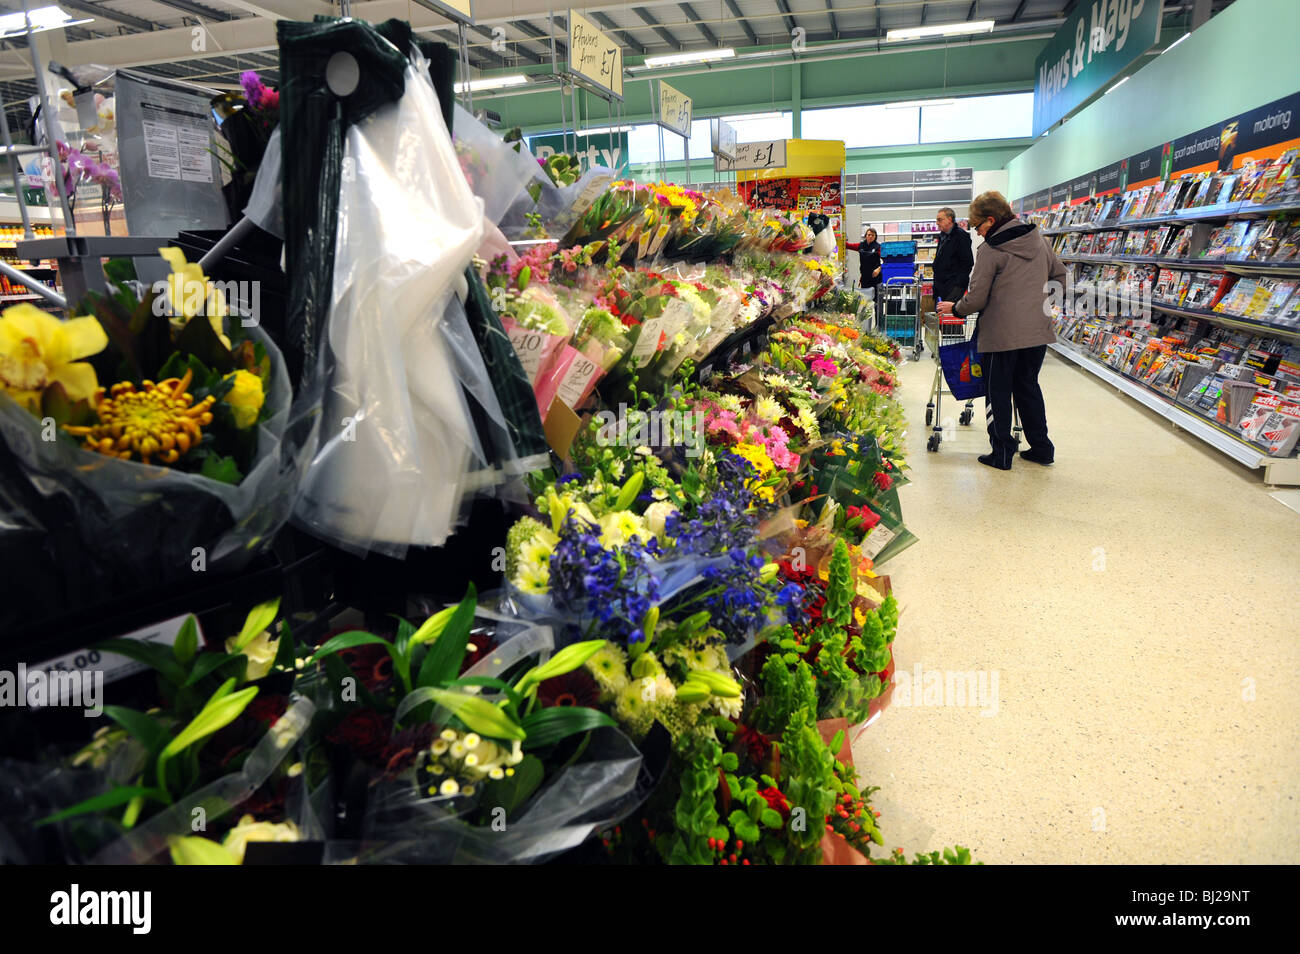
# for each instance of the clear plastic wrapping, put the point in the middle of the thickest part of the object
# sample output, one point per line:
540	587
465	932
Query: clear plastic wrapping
141	522
492	167
395	444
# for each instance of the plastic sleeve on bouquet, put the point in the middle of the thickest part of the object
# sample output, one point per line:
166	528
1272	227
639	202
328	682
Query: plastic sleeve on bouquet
495	172
140	523
265	206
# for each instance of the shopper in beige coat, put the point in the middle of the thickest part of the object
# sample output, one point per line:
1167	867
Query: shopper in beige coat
1009	287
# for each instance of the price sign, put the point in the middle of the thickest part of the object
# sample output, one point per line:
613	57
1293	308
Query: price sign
674	110
751	156
530	346
722	137
112	665
455	9
593	56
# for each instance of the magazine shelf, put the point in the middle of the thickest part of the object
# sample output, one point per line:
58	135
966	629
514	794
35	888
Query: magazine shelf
1276	470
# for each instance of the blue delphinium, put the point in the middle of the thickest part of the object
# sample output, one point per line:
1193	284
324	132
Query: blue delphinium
614	587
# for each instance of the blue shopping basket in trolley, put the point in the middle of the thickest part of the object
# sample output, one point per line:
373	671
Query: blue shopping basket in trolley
900	309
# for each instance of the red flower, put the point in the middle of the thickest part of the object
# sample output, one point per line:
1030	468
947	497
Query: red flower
483	644
267	709
364	731
575	688
630	322
371	664
883	480
776	800
756	743
402	749
869	517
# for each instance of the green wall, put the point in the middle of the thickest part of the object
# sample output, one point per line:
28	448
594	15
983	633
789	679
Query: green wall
1242	58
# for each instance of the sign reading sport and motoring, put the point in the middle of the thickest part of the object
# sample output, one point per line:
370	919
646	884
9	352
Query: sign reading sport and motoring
594	57
1098	40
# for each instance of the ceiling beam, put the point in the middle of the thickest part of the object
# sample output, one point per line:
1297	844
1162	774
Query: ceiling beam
104	13
830	12
970	14
744	24
198	10
1020	8
790	23
544	38
520	50
624	37
649	20
695	18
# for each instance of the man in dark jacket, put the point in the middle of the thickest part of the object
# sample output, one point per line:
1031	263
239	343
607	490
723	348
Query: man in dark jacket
953	259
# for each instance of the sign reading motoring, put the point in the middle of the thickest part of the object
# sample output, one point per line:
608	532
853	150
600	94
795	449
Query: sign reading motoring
1097	41
723	138
751	156
674	110
594	57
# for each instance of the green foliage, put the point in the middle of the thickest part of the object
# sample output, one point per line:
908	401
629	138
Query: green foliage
808	780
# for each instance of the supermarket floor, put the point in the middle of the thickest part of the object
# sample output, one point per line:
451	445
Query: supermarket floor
1131	612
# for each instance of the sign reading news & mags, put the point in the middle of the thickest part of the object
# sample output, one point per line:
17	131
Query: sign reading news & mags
1098	40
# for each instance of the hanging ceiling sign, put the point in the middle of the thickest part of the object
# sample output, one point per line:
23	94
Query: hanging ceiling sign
456	9
753	155
722	138
674	110
594	58
1097	42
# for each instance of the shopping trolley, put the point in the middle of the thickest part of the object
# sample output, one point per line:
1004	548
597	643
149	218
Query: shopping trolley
900	311
946	330
939	331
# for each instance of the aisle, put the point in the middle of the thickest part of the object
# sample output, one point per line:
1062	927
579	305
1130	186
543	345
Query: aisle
1132	613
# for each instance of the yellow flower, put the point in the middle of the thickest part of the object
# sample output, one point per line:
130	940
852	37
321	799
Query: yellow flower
245	398
155	421
260	651
619	527
533	579
192	294
248	830
37	350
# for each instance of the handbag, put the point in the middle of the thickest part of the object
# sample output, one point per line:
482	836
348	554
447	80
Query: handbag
963	368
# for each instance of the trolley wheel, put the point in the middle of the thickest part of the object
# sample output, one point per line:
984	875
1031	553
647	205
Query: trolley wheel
929	416
933	443
967	416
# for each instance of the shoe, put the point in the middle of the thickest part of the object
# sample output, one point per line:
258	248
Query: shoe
1034	456
988	460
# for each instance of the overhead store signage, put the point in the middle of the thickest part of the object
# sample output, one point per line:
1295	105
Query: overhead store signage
1060	193
722	137
456	9
751	156
1257	135
674	110
1080	188
593	57
1098	40
604	150
951	176
1147	167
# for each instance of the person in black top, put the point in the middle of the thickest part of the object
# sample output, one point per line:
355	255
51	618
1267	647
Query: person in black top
953	258
868	263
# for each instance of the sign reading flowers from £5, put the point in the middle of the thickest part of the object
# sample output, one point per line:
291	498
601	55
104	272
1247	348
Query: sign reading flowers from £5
594	57
1095	43
674	110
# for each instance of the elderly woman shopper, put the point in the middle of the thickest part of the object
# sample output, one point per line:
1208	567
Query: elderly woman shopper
1009	288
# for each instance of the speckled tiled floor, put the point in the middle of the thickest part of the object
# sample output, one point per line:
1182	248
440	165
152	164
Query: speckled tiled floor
1137	602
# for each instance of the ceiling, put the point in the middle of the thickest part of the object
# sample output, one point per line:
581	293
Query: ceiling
157	36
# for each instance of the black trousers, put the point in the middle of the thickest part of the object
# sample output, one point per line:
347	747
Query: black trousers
1014	374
